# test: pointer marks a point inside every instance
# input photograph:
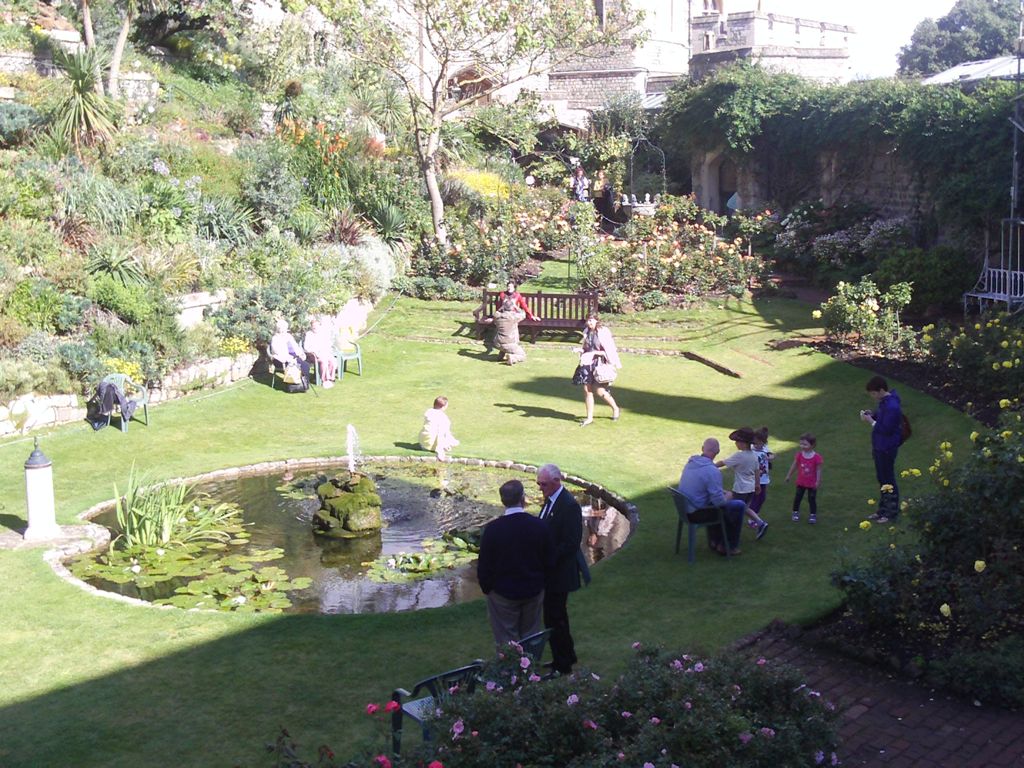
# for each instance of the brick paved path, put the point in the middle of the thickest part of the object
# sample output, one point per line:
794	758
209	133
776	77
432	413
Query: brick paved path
889	721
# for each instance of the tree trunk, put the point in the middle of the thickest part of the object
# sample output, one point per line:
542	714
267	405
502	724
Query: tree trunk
90	40
87	33
428	164
115	60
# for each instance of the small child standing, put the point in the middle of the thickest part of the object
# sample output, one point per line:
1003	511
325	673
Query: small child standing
764	463
436	434
746	474
807	464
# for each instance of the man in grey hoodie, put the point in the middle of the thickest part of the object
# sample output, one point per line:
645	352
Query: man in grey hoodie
701	484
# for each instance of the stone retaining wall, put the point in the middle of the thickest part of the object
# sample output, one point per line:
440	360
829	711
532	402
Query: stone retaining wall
34	411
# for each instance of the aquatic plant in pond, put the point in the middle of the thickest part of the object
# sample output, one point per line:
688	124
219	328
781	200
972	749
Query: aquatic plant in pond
450	551
173	533
158	516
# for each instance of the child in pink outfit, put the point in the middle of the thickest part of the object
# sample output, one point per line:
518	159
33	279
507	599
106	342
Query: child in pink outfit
807	464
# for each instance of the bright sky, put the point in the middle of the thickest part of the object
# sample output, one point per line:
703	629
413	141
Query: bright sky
882	26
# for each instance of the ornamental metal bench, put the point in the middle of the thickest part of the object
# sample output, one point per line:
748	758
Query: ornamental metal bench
555	311
996	284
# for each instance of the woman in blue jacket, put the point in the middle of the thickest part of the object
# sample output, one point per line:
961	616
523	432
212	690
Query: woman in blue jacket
886	435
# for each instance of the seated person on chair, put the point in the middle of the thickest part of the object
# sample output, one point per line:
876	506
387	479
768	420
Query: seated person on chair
701	484
318	344
285	350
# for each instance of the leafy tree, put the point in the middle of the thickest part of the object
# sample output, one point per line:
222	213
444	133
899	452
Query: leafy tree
972	30
449	54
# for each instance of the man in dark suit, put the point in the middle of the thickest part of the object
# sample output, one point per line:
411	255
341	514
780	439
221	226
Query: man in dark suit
515	555
564	518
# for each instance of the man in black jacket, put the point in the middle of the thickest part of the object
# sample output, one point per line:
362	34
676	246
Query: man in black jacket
515	556
564	518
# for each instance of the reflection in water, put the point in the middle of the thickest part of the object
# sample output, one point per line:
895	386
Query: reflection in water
419	502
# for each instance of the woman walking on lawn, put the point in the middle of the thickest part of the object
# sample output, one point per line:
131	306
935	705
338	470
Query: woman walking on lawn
598	349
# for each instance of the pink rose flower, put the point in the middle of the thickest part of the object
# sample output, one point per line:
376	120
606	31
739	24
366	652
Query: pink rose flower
458	727
371	709
746	737
392	706
382	761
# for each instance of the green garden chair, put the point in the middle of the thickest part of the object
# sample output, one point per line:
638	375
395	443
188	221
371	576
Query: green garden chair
125	385
346	352
684	509
420	708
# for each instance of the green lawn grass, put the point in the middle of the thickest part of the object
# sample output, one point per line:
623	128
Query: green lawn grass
92	682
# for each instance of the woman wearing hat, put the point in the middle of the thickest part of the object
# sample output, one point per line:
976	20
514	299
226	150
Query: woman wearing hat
746	473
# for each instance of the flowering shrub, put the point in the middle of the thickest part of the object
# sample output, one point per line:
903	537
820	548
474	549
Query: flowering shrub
127	367
982	357
947	597
674	251
862	312
667	709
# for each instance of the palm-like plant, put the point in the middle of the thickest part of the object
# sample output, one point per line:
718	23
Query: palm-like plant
85	117
390	222
109	259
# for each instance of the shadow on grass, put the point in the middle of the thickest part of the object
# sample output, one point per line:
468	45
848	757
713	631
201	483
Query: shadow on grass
533	411
409	446
220	702
13	523
725	412
484	356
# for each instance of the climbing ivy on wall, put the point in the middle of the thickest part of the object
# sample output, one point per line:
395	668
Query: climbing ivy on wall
957	144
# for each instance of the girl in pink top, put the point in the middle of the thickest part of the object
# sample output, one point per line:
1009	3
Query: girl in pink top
807	464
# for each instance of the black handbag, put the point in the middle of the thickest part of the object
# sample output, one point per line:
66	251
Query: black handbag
579	376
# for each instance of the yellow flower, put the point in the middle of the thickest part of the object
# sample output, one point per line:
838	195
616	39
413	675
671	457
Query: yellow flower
979	565
1004	344
1006	434
945	445
871	502
949	454
926	339
995	366
816	314
945	610
1004	403
887	488
865	525
1007	364
945	481
903	506
892	546
974	436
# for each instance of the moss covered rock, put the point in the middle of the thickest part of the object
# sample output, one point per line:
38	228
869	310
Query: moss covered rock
348	506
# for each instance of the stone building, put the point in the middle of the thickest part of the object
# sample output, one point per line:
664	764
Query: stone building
815	49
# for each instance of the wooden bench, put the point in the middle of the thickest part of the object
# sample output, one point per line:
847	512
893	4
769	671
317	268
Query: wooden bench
995	284
556	311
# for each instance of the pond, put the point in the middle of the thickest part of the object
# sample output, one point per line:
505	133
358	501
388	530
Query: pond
421	502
